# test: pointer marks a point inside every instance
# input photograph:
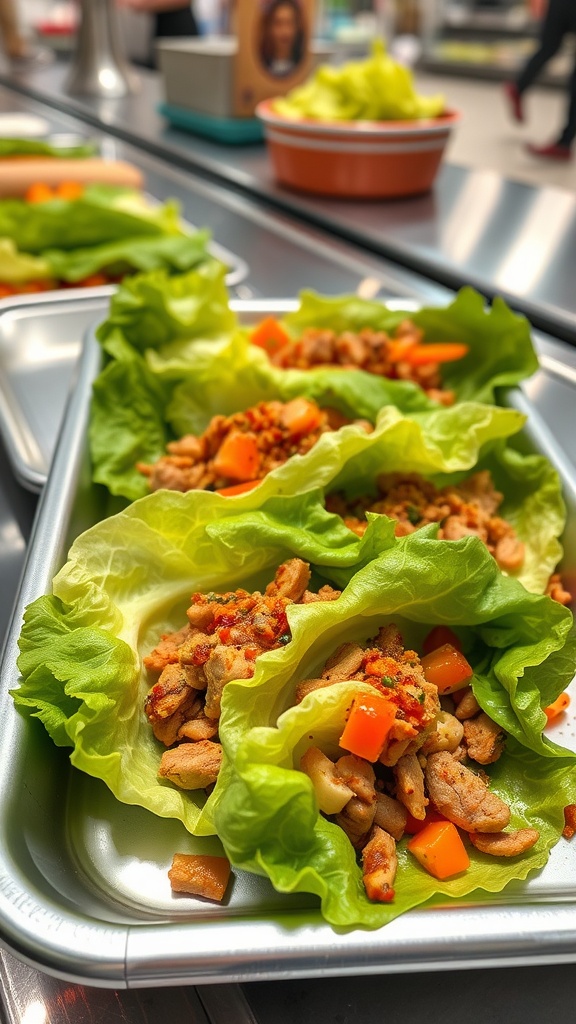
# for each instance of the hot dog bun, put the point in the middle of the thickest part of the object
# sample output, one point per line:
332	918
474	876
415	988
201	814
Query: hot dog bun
17	173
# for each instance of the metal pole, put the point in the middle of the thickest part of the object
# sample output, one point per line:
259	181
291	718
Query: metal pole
99	66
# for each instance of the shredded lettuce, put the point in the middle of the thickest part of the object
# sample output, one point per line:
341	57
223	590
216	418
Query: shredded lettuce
375	89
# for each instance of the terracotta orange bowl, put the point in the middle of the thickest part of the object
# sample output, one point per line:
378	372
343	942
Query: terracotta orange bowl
356	159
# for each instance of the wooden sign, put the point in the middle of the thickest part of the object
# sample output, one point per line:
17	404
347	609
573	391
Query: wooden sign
274	49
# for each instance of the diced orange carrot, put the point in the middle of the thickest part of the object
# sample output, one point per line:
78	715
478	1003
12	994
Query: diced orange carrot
229	492
300	416
440	850
69	190
447	668
200	875
557	707
369	722
238	457
413	825
439	352
31	287
438	636
92	281
39	192
399	347
270	335
569	829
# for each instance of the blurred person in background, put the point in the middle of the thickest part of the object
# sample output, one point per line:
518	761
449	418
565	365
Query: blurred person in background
17	47
559	21
171	18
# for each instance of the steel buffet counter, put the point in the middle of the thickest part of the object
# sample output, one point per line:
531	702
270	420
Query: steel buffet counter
474	227
282	256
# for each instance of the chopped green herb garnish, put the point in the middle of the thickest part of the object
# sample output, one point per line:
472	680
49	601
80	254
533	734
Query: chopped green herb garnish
388	681
285	638
421	697
413	514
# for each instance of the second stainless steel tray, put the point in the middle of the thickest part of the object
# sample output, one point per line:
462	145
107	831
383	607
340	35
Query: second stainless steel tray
83	887
40	340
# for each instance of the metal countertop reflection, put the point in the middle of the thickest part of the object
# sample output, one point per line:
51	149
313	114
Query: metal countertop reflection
474	226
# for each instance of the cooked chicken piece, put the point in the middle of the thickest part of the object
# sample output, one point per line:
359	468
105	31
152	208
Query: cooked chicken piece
356	820
189	445
557	591
505	844
326	593
174	473
169	703
201	616
509	553
390	815
463	797
192	765
359	775
467	706
447	734
166	652
410	786
290	581
200	875
195	652
484	739
454	529
331	791
390	641
308	686
379	864
401	737
479	489
198	728
343	663
224	664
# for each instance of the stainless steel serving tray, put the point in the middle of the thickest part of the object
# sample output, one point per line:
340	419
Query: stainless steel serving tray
40	340
83	886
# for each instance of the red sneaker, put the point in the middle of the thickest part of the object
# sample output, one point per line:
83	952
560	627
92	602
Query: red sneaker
514	101
553	151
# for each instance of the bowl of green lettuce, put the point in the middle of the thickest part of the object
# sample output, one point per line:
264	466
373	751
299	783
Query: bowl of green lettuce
358	131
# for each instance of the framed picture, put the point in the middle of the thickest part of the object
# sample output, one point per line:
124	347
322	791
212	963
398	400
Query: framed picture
274	49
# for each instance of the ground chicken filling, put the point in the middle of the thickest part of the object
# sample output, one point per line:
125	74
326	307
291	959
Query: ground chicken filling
398	356
223	638
243	448
425	773
466	509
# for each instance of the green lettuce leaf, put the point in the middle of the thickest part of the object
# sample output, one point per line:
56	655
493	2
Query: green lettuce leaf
264	808
127	581
176	253
156	308
375	89
102	214
38	147
18	267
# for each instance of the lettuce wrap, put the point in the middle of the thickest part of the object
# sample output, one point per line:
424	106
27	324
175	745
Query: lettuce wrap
107	229
523	654
127	581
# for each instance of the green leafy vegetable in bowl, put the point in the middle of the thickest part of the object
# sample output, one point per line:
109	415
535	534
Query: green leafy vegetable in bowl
375	89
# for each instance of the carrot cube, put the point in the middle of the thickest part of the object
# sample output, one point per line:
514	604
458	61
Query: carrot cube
440	850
